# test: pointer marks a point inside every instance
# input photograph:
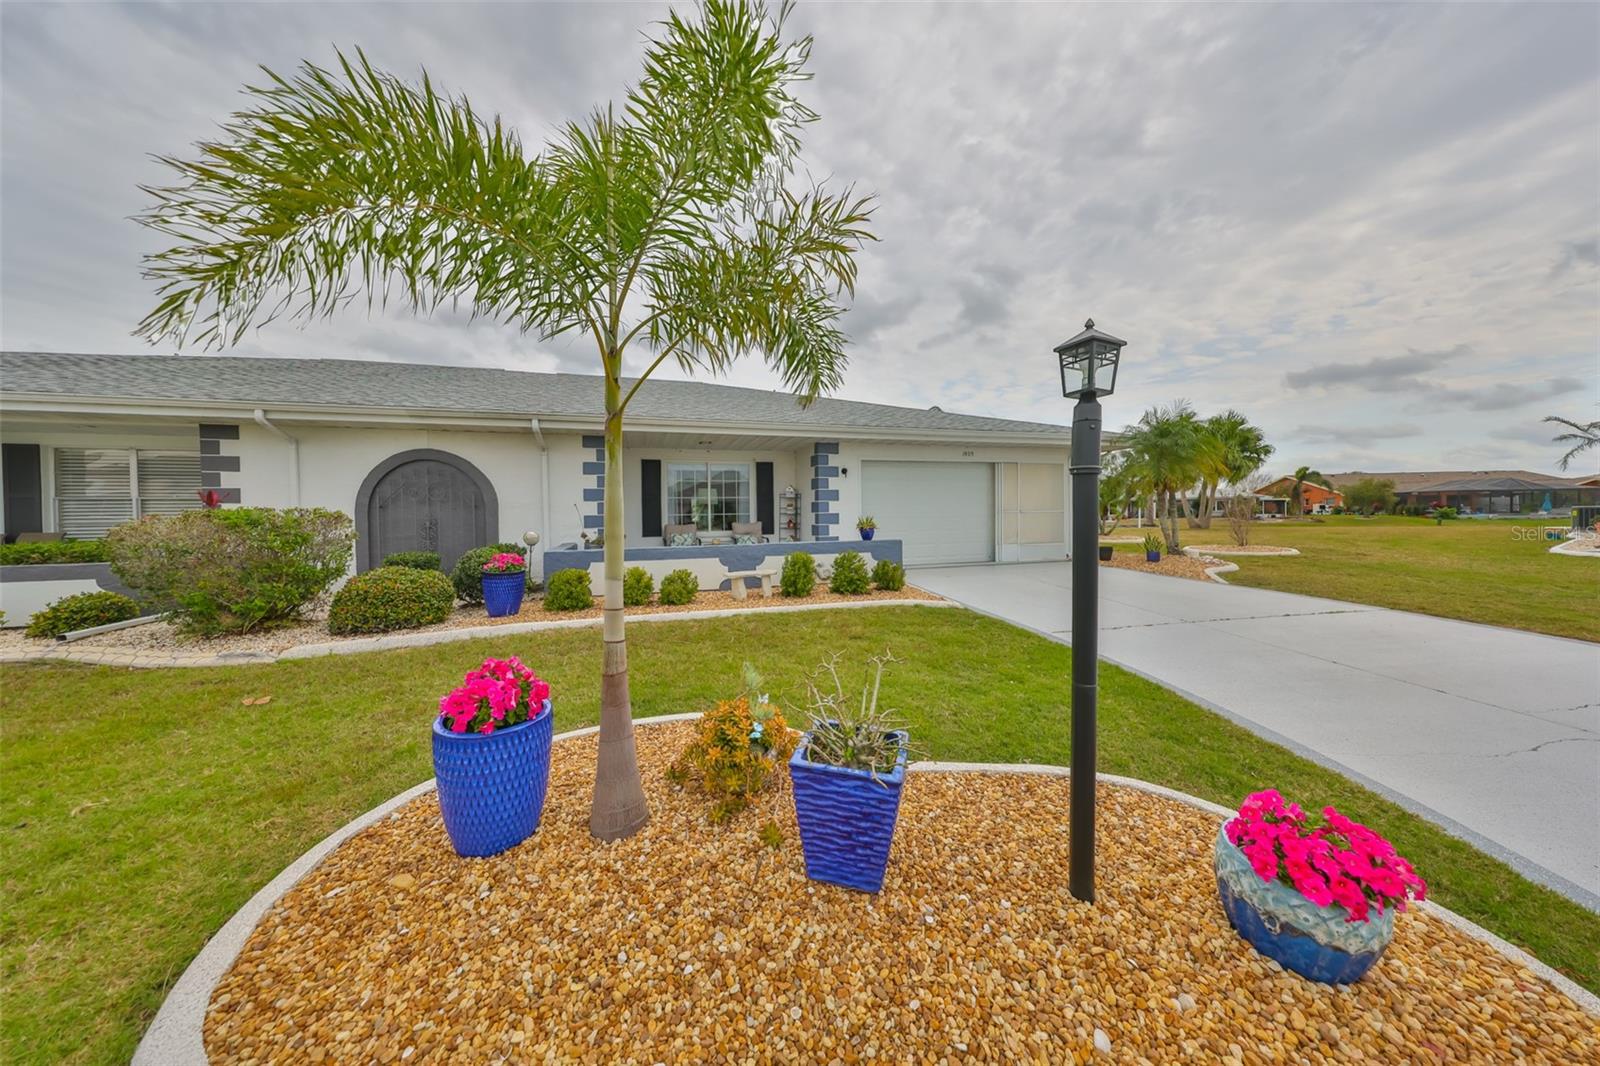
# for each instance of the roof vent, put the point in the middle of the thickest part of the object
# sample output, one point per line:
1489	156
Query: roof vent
936	407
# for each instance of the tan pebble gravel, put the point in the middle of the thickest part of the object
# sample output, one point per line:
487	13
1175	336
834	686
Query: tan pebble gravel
689	943
1171	565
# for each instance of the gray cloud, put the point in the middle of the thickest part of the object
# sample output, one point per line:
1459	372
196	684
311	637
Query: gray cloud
1357	434
1254	195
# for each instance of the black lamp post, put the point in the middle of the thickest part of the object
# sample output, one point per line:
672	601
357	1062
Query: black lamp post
1088	371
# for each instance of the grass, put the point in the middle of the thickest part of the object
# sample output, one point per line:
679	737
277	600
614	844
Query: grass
141	808
1478	570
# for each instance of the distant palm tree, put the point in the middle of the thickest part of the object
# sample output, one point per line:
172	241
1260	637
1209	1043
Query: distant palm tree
1584	435
668	223
1235	450
1167	454
1302	477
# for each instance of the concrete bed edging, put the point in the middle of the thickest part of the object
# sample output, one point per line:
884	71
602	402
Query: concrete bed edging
161	661
176	1036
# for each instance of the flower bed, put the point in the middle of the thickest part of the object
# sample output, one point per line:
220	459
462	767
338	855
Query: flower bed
1170	565
688	942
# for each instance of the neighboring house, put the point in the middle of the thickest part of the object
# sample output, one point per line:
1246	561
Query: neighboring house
1483	491
1314	498
447	458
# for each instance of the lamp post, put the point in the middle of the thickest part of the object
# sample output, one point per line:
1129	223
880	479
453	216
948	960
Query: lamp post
1088	371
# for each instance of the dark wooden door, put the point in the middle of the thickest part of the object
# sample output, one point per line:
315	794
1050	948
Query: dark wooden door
427	505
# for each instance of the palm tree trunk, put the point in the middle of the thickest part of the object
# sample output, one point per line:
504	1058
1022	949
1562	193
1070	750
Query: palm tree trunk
1171	526
619	808
1208	500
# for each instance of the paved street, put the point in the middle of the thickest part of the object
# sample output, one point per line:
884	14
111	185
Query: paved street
1493	733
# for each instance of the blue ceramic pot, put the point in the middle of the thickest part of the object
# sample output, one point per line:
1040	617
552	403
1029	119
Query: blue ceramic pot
502	593
1315	942
491	788
866	534
1152	557
846	817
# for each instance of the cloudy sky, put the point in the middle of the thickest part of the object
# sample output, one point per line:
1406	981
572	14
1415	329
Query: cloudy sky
1374	229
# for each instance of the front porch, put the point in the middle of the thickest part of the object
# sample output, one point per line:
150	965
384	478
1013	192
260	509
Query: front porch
712	563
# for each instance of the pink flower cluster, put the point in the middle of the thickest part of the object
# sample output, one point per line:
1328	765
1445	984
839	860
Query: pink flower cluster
504	563
1340	861
498	694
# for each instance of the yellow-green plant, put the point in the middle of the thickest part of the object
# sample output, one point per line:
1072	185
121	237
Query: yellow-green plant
738	747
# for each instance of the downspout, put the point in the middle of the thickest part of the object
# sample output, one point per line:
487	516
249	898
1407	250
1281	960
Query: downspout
544	491
294	463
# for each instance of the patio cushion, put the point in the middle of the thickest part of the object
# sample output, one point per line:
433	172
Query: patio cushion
746	538
683	540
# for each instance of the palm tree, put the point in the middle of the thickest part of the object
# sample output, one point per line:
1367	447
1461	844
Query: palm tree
670	224
1302	476
1584	435
1234	450
1166	455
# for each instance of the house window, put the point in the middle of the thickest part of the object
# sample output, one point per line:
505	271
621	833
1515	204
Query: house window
97	488
710	496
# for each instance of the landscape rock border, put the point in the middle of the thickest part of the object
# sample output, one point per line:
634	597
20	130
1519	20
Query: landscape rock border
1224	549
160	660
176	1035
1570	547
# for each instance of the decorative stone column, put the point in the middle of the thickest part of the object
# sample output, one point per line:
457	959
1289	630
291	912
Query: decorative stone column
824	468
594	496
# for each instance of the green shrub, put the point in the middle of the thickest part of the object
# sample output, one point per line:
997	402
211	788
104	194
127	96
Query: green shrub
799	575
568	590
849	575
233	570
39	552
637	587
468	573
889	575
678	588
391	597
82	611
1445	514
413	560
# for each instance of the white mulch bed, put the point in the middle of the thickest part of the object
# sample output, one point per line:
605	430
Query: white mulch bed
164	638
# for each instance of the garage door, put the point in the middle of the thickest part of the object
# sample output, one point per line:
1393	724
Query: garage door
944	512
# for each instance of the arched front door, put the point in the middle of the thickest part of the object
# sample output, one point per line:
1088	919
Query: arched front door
424	500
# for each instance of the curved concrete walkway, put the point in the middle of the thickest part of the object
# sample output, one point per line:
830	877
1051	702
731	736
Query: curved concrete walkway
1492	733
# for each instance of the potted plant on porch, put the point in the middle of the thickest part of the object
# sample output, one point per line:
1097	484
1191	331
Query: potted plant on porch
491	756
848	773
504	582
1152	548
1318	898
866	525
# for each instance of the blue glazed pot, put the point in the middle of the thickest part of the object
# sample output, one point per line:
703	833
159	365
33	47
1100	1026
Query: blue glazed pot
491	788
1315	942
1152	557
866	534
502	593
846	817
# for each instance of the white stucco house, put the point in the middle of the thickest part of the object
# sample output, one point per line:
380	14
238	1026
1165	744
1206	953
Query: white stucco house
446	458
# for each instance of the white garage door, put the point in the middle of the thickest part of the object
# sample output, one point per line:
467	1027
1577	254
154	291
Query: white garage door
944	512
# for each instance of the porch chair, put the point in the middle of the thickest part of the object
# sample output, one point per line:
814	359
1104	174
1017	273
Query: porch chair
749	529
670	531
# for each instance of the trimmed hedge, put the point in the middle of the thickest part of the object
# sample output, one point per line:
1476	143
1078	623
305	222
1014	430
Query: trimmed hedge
799	576
391	597
568	590
82	611
236	569
637	587
889	575
849	575
413	560
679	588
468	573
40	552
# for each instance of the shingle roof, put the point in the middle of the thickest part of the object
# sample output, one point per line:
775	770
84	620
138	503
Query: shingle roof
339	383
1461	480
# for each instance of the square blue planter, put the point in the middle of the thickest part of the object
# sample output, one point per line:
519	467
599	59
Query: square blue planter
847	818
492	788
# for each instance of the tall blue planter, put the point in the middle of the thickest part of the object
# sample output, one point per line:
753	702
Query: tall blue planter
847	818
1315	942
502	593
491	788
866	534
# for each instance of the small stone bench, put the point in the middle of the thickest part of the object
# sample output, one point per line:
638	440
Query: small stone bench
737	587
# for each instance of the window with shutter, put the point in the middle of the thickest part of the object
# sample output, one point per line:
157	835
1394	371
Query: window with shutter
168	482
94	490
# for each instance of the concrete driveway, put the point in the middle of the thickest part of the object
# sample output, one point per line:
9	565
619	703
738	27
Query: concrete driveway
1492	733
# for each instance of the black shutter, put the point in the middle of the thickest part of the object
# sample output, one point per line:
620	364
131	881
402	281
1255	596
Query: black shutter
650	497
23	496
764	498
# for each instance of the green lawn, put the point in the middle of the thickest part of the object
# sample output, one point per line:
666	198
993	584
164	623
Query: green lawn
1473	569
141	808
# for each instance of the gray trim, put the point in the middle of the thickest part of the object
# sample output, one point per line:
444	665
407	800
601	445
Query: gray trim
229	463
99	573
210	446
491	500
218	431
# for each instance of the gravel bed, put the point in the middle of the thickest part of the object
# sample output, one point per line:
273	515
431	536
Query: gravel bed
1247	549
163	637
689	943
1188	566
